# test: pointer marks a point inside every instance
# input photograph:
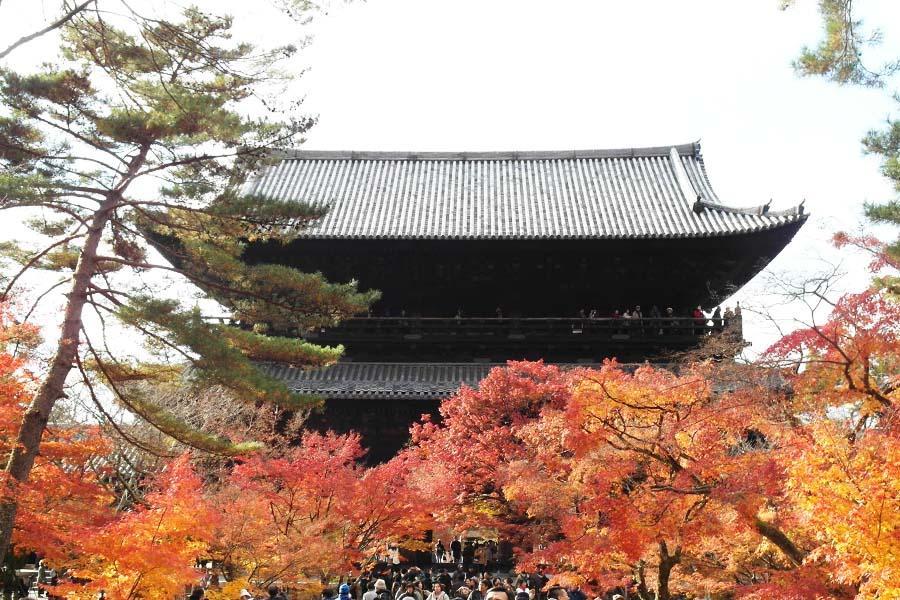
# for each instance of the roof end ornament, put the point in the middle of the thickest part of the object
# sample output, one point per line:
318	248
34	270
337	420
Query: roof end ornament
699	206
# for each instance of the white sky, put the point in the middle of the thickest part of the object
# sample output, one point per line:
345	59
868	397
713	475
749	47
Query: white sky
564	74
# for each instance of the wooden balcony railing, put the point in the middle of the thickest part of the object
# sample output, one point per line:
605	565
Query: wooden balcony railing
473	328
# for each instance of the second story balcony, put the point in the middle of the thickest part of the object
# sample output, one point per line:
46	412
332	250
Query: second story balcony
553	338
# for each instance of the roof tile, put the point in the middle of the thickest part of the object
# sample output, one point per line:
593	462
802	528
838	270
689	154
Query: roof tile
627	193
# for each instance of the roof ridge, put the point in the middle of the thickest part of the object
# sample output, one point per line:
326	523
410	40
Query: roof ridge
689	149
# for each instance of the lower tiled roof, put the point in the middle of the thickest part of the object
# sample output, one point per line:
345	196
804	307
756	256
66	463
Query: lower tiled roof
419	381
381	381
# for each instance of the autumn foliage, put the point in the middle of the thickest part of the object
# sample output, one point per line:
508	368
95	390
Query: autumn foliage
770	480
62	499
784	486
315	511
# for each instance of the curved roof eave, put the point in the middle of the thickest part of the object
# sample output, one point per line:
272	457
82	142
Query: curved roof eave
660	192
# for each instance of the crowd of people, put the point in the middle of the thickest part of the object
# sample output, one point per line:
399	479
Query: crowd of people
455	583
27	582
658	322
655	319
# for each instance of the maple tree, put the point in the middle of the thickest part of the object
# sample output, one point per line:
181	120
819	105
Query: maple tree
783	486
314	511
64	497
608	475
135	140
66	509
150	550
843	460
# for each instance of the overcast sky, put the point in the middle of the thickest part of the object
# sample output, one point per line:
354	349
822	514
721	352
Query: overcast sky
538	75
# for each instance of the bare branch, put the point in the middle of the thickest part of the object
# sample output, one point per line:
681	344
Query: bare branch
55	25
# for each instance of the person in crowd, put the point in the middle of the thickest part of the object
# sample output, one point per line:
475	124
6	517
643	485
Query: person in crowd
327	594
456	550
499	312
699	320
245	595
444	579
275	593
409	592
655	315
370	591
510	586
537	581
381	591
522	592
717	318
462	593
344	592
197	593
478	592
7	580
458	578
557	593
425	578
497	593
438	593
394	555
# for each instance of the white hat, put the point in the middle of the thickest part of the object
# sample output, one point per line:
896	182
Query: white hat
380	585
245	594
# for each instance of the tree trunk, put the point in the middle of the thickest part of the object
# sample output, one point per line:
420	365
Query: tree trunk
781	540
642	590
666	563
24	452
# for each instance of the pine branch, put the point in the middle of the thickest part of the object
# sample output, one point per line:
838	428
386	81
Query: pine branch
55	25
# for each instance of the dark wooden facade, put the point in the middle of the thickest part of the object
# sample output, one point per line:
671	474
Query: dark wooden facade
483	258
538	277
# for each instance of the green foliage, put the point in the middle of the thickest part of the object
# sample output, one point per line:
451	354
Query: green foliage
142	405
887	145
140	135
17	139
214	355
52	228
839	55
257	346
208	249
23	189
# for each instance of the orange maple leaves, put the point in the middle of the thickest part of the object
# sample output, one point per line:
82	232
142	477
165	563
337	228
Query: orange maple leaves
720	478
314	512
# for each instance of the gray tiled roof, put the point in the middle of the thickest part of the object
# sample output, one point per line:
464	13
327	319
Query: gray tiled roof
630	193
381	381
427	381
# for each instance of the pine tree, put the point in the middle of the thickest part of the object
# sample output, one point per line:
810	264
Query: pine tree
134	101
840	56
